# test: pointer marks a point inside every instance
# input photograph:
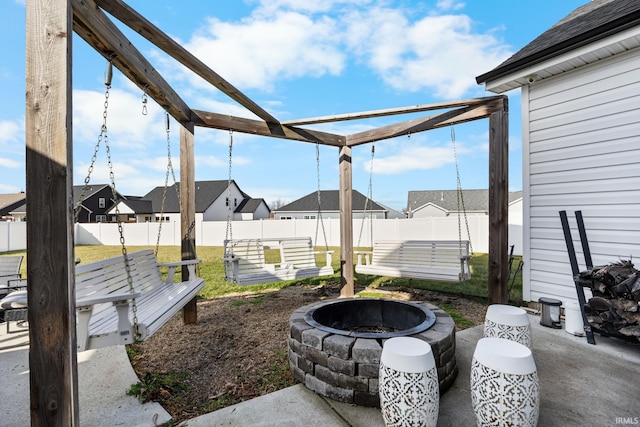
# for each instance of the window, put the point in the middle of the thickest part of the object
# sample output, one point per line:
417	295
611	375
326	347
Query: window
309	217
285	217
102	203
101	218
227	201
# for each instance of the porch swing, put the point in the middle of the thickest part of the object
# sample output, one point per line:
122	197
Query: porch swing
125	298
442	260
244	259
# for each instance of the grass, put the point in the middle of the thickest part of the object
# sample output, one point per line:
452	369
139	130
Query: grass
158	387
212	270
278	376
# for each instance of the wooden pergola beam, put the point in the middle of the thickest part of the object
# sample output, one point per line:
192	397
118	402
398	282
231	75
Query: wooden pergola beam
391	111
256	127
461	115
146	29
99	32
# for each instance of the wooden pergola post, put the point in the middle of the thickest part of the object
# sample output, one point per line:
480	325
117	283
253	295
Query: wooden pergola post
498	291
346	222
52	355
188	210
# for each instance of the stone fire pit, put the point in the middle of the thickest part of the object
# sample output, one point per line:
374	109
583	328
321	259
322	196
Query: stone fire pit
335	345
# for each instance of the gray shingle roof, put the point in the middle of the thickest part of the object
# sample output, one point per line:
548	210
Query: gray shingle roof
90	190
474	200
250	205
329	201
589	23
206	193
138	205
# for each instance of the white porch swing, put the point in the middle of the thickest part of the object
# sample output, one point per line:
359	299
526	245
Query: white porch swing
125	298
444	260
244	259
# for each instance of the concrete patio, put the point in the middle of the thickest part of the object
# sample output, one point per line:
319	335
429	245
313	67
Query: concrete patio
581	385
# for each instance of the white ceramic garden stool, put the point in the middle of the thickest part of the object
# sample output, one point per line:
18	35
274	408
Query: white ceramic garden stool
505	390
509	322
408	383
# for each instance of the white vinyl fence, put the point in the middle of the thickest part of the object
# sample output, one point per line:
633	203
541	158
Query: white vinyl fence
213	233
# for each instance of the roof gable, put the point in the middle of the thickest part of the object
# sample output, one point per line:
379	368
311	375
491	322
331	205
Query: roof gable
206	192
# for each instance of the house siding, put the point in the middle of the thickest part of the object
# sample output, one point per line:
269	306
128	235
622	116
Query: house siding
581	145
218	211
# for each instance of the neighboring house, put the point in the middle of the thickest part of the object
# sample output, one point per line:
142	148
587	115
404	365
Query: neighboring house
10	207
433	203
307	207
135	209
580	85
212	198
97	200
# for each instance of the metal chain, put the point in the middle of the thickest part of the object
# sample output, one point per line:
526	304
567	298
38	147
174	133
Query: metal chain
166	183
144	100
127	266
104	136
229	233
96	149
460	195
369	200
319	220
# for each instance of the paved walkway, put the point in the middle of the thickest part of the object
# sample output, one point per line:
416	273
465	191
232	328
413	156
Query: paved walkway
581	385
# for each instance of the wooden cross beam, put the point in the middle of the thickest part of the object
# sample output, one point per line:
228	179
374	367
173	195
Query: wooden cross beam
257	127
146	29
392	111
90	23
451	117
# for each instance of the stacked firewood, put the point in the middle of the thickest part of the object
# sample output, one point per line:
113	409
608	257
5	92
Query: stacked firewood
615	306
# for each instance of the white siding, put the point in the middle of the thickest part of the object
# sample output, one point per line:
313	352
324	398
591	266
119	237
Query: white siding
218	211
581	145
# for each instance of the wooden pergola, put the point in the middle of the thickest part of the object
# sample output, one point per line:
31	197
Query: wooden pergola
50	253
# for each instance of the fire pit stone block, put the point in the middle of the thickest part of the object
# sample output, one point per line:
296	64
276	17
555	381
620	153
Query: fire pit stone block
346	369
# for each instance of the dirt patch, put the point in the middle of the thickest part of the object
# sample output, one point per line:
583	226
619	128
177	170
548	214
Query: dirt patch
238	349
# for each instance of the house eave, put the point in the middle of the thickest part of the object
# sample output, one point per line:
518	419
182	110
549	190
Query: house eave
561	59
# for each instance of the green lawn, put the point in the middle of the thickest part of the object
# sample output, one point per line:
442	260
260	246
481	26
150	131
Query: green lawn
212	270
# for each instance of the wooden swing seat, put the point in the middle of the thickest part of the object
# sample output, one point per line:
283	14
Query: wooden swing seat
446	260
245	262
104	299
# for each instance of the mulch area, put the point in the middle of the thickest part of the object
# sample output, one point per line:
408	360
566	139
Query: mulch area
238	348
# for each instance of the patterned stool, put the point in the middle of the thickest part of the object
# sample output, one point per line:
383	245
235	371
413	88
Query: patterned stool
408	383
509	322
504	384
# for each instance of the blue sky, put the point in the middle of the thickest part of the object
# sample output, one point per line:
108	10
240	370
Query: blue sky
296	59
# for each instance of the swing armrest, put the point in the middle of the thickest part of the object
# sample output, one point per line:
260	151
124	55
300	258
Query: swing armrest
172	266
363	254
327	254
84	303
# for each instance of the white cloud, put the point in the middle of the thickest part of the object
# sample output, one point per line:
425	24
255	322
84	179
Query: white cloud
440	54
412	157
310	6
257	50
11	131
9	163
449	5
126	125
